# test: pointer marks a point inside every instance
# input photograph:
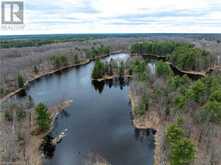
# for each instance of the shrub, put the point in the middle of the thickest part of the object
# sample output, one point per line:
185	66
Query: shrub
140	110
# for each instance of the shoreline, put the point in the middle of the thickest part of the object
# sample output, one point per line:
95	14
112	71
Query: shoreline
32	151
39	76
34	154
104	78
51	72
87	61
188	72
153	119
153	123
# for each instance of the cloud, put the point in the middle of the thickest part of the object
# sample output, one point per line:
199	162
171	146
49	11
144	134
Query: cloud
105	16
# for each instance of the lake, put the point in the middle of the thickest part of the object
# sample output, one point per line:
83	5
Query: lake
98	121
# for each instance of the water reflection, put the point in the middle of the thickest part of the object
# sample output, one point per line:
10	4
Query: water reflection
98	85
64	114
142	134
47	147
22	93
94	158
103	128
116	82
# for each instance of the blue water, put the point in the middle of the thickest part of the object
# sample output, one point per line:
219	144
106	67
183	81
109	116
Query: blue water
98	121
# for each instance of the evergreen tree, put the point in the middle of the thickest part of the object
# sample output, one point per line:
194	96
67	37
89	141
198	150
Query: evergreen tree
43	117
20	81
182	152
98	71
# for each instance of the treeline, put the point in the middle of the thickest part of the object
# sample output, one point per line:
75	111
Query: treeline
111	68
161	48
25	43
182	55
97	51
29	41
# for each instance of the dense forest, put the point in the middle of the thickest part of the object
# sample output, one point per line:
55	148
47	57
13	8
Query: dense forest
161	48
183	55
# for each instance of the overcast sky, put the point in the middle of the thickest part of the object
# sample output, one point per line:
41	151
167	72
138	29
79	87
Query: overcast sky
120	16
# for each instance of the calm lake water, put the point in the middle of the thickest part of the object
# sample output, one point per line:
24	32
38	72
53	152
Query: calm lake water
98	121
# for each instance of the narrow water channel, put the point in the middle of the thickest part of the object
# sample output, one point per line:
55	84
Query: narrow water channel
98	122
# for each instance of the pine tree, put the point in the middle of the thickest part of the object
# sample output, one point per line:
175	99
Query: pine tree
20	81
43	117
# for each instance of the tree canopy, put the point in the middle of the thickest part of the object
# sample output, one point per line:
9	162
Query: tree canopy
161	48
98	70
189	58
182	150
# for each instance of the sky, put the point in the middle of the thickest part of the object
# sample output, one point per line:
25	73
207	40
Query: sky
118	16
